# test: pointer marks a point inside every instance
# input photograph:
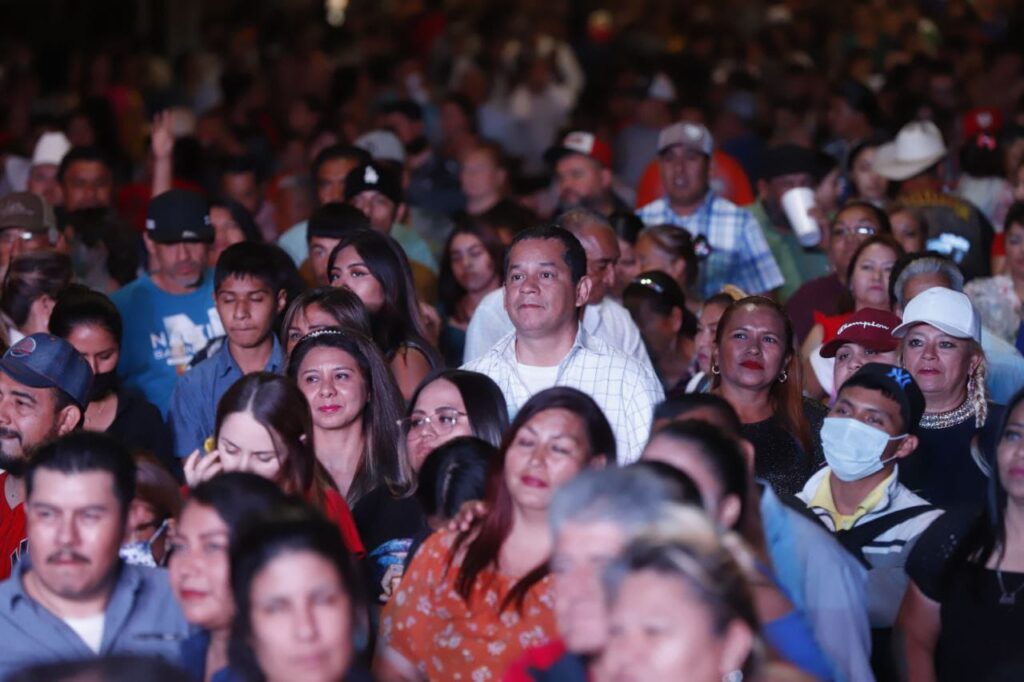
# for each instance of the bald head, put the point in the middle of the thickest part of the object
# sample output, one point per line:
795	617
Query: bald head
597	236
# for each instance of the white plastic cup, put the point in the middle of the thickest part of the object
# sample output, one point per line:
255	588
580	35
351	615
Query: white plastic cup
796	203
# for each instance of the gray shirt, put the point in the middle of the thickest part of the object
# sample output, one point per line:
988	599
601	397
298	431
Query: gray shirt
142	618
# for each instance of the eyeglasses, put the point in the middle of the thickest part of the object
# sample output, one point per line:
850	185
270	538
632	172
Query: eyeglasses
860	229
444	420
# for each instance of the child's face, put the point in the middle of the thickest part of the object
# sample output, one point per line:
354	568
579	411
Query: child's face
247	306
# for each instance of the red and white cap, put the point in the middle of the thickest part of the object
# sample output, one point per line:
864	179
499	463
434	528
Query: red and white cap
580	142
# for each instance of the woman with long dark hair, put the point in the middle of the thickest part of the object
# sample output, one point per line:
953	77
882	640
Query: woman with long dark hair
471	266
756	369
491	584
960	615
264	427
374	266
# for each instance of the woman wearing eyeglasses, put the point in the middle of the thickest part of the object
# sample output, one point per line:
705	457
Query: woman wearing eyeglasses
448	404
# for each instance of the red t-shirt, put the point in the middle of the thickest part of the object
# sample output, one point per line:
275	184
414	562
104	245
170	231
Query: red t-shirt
13	540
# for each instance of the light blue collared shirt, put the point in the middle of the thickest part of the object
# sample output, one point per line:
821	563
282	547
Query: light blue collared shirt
142	618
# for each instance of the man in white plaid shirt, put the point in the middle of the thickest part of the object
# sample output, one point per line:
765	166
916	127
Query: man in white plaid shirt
738	252
545	288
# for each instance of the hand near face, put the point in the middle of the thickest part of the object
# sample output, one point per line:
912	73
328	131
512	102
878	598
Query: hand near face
199	467
162	136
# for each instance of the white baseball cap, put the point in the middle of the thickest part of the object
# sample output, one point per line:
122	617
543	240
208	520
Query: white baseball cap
382	145
692	135
948	311
50	148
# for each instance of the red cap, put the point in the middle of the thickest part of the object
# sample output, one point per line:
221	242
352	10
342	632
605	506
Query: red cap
868	327
982	120
580	142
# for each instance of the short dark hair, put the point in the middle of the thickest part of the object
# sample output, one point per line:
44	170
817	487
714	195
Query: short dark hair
336	220
626	225
453	474
75	154
248	259
85	451
30	276
1014	215
237	495
574	256
79	305
263	538
339	151
109	668
404	107
240	165
242	217
871	383
675	405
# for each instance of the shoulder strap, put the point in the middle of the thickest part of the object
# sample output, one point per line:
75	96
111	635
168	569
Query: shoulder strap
854	539
798	505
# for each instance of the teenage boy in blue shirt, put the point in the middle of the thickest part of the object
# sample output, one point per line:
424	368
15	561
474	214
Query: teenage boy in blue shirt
248	300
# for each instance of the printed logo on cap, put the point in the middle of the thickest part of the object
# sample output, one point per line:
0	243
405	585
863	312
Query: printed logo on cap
370	176
189	234
150	224
23	348
580	142
900	376
693	132
17	208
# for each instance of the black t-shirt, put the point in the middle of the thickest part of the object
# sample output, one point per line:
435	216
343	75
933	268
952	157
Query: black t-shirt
779	458
942	469
139	425
980	637
388	527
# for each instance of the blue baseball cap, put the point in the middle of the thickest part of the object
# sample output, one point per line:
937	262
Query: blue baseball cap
47	361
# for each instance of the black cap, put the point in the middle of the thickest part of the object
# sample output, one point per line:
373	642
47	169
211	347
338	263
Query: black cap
896	382
179	215
375	177
46	361
788	159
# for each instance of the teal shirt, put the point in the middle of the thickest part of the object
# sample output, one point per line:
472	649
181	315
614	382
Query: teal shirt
798	264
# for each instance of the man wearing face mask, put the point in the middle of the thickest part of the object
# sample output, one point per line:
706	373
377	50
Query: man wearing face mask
858	496
44	387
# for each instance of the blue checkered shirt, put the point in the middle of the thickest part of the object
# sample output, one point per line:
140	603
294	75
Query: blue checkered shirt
739	253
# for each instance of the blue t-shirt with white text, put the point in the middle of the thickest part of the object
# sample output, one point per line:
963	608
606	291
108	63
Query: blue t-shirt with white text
162	332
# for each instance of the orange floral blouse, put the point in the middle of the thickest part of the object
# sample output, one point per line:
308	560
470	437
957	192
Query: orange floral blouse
428	623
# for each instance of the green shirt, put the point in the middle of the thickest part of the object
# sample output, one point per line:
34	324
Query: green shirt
797	263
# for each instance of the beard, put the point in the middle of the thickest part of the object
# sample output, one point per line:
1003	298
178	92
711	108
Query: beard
14	465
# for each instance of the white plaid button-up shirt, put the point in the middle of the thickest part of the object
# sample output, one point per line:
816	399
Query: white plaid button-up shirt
739	252
622	387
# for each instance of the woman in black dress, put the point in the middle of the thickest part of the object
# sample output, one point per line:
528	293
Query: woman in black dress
756	369
963	612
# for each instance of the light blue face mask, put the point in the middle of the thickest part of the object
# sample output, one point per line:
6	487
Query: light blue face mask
140	552
853	449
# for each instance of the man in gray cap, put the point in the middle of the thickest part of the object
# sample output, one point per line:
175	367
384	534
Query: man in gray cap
169	314
44	388
737	251
27	224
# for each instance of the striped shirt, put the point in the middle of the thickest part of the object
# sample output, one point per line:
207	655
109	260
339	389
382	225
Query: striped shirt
622	387
739	251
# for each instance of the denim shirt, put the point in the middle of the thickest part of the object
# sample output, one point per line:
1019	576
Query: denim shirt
193	411
142	618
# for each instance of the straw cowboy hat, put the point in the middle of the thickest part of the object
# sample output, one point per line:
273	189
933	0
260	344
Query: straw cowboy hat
917	147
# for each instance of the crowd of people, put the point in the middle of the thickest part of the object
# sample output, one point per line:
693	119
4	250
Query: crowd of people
547	342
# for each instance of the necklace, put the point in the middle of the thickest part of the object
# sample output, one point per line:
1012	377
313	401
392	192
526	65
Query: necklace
1007	598
944	420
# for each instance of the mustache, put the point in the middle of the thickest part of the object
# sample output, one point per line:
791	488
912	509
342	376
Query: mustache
9	433
67	555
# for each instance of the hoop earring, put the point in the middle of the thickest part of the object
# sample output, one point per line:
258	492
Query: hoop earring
782	379
715	369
